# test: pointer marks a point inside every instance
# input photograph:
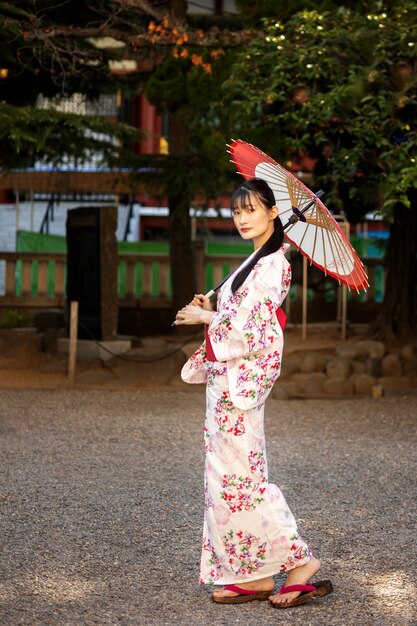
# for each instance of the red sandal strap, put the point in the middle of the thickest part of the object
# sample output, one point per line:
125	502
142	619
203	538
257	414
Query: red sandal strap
248	592
291	588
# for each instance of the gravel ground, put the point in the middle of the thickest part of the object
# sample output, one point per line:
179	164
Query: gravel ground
101	495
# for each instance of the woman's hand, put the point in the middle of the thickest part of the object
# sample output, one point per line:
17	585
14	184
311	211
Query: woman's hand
202	301
192	314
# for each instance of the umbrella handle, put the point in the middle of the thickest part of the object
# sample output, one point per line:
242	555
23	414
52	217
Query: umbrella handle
293	219
209	294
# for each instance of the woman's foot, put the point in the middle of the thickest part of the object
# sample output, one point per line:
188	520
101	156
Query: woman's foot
263	584
298	576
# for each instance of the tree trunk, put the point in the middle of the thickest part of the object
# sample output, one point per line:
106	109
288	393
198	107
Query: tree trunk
397	322
181	254
178	8
179	201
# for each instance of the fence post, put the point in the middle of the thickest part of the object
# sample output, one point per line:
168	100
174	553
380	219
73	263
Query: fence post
73	342
304	307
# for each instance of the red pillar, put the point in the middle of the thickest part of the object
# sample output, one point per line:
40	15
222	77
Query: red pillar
6	196
145	118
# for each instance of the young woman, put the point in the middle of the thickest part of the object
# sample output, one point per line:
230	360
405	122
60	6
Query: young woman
249	533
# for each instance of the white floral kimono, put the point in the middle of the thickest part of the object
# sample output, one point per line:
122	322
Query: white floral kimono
249	531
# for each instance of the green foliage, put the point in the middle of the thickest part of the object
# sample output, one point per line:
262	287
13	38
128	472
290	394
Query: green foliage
179	87
342	89
254	11
167	86
70	62
28	134
16	319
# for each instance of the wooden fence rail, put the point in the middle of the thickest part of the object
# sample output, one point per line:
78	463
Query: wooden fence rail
38	280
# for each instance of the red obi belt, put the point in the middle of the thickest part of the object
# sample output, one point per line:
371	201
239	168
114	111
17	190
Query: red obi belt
282	320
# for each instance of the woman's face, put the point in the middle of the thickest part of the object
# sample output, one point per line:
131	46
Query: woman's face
254	221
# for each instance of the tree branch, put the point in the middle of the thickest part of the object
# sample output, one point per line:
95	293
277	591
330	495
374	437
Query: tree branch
211	38
144	6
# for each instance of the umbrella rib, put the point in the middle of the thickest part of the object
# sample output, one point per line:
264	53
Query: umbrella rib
360	274
359	271
322	228
277	180
330	234
354	275
329	228
292	192
326	224
300	194
314	246
343	251
339	247
336	247
304	234
324	248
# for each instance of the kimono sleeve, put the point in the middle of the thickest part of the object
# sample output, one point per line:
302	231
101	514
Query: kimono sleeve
246	321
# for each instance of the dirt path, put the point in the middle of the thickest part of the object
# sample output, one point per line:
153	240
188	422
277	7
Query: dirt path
102	499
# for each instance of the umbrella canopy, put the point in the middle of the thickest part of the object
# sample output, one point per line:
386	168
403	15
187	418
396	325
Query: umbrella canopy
307	223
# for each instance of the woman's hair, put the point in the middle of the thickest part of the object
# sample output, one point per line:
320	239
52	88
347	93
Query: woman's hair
242	197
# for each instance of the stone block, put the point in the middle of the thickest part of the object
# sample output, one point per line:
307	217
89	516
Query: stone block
48	318
280	393
289	367
373	366
358	367
395	382
338	367
19	341
410	368
375	349
353	351
301	378
290	389
49	340
363	384
338	386
314	386
91	242
313	362
391	365
409	353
